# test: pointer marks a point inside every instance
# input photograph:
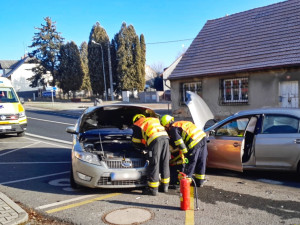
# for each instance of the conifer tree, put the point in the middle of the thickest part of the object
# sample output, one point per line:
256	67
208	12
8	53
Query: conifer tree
95	64
70	70
86	83
46	44
143	60
137	54
130	57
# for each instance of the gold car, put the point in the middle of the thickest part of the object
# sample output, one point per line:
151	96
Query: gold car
258	139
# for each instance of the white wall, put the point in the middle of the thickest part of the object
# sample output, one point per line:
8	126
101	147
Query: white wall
20	76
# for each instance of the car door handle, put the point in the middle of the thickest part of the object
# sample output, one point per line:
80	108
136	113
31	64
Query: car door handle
297	141
235	144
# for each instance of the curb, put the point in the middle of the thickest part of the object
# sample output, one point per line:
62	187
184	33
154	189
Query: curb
12	220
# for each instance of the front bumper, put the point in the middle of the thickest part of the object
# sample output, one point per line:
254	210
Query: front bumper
104	177
12	128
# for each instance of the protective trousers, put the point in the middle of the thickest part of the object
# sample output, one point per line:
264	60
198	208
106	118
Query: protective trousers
159	156
197	161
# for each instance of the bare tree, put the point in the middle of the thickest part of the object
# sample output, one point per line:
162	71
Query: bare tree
158	67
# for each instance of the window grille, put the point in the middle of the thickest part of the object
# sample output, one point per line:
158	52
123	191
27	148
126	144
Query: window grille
195	87
234	91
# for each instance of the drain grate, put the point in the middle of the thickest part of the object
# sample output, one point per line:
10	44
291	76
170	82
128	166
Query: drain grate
127	216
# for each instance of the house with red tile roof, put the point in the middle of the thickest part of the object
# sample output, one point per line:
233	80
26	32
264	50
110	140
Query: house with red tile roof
242	61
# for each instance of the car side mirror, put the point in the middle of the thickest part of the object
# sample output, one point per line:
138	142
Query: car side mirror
22	100
71	130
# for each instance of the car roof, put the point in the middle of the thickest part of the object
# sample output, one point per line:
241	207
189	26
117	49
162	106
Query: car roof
120	105
286	111
281	111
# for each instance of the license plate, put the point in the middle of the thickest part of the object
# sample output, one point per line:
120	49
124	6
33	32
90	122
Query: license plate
5	127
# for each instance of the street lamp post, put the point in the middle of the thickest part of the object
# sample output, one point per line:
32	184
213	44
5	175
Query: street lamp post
110	75
94	42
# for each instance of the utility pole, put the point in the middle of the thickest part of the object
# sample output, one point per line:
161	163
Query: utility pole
94	42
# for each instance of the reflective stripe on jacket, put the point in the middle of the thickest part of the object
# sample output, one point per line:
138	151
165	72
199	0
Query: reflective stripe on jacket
190	134
151	129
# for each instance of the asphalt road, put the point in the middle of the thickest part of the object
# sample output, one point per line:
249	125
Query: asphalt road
35	172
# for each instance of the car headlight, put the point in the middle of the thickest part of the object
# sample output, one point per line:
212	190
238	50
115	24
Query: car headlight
22	114
87	157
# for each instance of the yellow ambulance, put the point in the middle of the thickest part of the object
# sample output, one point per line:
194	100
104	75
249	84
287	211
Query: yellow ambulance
12	113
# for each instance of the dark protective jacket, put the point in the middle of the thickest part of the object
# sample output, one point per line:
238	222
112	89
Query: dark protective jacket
185	135
145	130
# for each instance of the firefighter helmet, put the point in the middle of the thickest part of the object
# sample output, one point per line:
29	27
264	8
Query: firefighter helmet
137	117
166	119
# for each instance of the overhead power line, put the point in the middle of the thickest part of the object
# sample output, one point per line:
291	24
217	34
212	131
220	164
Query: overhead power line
163	42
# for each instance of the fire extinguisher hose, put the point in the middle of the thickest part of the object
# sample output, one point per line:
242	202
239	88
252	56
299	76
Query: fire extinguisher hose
196	193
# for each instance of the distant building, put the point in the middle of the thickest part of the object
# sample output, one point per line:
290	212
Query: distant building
243	61
150	76
168	71
18	71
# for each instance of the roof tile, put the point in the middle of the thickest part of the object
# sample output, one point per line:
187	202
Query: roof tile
260	38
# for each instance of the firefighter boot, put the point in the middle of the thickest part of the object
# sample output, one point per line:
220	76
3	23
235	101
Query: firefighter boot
200	183
150	191
164	188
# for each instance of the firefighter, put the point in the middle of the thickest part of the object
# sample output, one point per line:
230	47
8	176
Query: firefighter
148	132
191	142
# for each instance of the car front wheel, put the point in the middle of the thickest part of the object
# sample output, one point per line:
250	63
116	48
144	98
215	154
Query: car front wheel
21	134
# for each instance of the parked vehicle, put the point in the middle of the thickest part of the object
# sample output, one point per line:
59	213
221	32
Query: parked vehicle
102	154
12	114
258	139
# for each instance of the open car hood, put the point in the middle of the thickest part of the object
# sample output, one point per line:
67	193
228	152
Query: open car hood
199	110
112	116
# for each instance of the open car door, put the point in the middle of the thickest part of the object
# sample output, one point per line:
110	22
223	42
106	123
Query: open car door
226	142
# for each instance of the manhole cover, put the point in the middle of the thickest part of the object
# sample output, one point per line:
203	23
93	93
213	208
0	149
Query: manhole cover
127	216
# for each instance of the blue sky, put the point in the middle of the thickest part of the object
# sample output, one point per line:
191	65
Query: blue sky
158	20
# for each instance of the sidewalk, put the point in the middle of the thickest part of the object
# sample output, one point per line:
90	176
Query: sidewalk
10	212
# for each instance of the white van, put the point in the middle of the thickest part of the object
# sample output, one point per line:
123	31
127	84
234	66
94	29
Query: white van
12	114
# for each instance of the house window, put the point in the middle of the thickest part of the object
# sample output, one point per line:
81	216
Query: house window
234	91
195	87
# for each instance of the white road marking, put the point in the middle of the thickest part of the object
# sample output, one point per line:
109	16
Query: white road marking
14	142
60	182
33	178
49	139
20	163
50	121
14	150
63	202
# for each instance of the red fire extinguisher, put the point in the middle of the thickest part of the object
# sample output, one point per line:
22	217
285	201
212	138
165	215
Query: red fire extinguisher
185	197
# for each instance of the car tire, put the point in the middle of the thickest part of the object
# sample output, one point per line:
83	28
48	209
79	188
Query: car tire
21	134
73	184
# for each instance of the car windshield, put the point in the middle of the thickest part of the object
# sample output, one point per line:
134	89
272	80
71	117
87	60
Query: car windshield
8	95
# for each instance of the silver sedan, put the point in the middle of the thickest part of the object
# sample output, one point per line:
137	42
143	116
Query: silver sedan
258	139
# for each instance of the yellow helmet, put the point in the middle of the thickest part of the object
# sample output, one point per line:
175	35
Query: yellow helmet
137	117
166	119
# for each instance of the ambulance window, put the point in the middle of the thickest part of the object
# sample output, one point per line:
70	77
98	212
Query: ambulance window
7	95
